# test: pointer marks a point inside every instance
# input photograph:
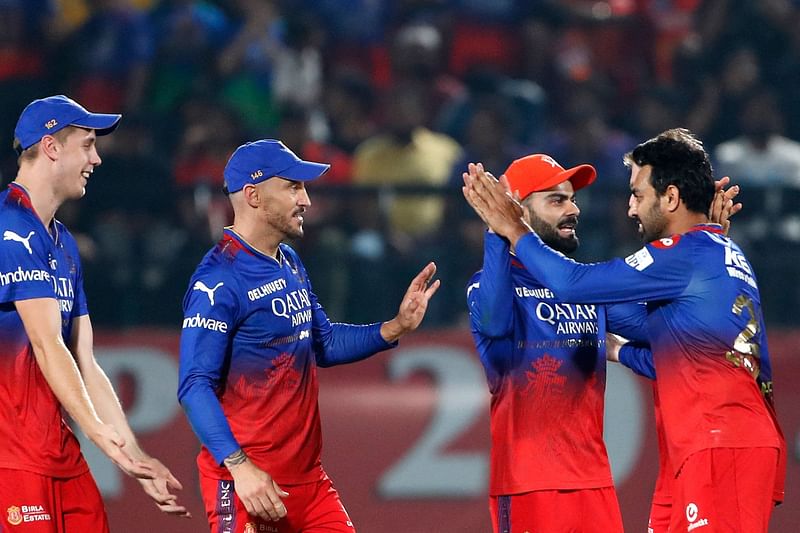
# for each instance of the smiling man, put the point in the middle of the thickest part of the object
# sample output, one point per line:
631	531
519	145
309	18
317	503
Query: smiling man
46	342
253	337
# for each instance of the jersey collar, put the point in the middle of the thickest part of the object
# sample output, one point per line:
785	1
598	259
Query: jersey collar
713	228
229	233
20	194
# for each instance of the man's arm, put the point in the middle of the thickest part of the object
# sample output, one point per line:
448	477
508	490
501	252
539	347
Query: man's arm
41	318
110	411
202	359
491	299
637	278
635	355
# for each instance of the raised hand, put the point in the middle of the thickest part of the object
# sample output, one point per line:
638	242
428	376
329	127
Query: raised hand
723	207
413	306
493	202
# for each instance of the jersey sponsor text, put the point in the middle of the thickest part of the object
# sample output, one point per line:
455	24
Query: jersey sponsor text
266	289
198	321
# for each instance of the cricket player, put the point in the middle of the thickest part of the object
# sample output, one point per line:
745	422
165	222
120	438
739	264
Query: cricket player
710	353
253	337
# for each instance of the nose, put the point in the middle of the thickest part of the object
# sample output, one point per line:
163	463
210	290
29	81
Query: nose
302	198
94	158
631	208
573	210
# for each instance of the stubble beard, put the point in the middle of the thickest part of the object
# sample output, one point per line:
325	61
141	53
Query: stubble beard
285	226
654	226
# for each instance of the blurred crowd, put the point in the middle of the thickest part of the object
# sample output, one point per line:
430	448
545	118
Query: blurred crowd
398	95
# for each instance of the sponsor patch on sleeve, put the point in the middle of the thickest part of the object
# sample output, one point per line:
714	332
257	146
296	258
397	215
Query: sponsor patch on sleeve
666	242
640	260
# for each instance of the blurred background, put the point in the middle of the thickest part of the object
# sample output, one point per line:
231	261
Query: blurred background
398	95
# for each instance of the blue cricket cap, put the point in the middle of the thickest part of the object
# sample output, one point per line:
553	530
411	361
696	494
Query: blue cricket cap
258	161
49	115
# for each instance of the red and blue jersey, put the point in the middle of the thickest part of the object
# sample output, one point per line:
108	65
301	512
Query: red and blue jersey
545	364
705	328
253	337
35	262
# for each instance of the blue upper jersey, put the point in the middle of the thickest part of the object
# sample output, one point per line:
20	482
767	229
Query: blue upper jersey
253	336
705	327
35	262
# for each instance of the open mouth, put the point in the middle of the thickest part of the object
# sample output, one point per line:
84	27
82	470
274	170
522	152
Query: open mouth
567	229
86	174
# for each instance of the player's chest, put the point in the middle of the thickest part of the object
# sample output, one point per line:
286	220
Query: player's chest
538	312
278	305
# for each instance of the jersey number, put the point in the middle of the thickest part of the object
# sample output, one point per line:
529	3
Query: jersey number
746	353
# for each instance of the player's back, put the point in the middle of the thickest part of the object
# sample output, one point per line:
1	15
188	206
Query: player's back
710	350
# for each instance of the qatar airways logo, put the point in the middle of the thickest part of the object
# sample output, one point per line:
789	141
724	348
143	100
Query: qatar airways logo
294	305
210	324
569	319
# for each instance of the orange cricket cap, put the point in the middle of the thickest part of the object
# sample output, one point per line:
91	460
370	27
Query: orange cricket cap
539	172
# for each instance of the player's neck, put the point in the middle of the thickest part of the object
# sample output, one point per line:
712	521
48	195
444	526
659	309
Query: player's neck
44	200
685	222
257	237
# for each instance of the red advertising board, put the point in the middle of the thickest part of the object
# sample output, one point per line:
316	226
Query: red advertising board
405	434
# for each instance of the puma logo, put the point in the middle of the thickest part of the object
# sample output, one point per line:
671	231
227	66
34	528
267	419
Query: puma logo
200	286
9	235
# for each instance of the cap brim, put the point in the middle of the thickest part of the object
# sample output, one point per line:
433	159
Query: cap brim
101	123
304	171
580	176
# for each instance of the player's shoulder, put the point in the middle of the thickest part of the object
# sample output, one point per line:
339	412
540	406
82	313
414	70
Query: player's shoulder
291	256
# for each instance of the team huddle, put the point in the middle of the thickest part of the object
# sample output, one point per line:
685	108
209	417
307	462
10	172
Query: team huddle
684	311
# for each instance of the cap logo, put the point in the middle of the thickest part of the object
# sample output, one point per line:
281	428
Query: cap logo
50	124
550	161
257	174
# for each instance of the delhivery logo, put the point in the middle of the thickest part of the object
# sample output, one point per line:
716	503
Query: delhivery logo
692	514
9	235
640	260
200	286
198	321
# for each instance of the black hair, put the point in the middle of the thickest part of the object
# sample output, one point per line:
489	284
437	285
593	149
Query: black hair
678	158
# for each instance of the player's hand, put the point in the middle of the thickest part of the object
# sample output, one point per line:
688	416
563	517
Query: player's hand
492	201
112	444
723	207
613	345
259	493
413	306
161	486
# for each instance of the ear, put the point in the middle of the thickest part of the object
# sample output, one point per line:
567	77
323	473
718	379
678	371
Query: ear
671	199
251	195
50	147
